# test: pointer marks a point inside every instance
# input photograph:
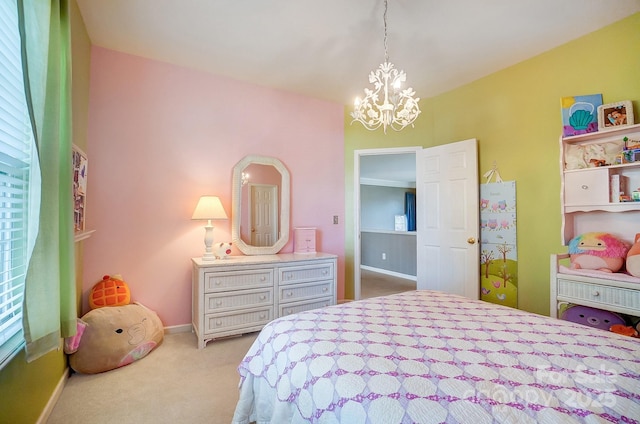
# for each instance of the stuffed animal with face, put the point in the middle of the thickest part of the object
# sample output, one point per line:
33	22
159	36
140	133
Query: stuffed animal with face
598	251
221	250
112	337
592	317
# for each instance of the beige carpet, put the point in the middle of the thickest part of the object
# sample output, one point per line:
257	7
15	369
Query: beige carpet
374	284
176	383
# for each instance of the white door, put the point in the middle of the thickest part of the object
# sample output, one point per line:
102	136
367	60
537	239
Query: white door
264	214
447	219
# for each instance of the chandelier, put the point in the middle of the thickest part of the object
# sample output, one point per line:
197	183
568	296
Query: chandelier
387	104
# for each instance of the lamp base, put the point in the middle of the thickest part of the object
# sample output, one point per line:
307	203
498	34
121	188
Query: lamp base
208	243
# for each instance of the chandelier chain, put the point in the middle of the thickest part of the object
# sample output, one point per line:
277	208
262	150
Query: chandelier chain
384	19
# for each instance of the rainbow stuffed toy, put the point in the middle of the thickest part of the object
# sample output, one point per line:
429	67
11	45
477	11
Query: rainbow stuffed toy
599	251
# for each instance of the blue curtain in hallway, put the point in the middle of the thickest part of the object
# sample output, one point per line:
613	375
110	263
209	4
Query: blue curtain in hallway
410	210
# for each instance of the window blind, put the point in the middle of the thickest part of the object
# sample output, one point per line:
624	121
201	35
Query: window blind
16	147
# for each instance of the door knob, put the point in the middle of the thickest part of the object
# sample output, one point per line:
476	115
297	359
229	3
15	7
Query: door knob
471	240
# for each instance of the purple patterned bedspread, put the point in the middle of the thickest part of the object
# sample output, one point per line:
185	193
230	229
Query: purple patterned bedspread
430	357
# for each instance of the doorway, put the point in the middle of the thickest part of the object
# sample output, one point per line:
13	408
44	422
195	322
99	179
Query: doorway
447	188
384	175
263	219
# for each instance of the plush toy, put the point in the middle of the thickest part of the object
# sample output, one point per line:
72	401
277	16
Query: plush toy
625	330
592	317
110	291
221	250
633	258
599	251
113	337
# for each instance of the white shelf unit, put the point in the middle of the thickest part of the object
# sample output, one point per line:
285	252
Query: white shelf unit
587	206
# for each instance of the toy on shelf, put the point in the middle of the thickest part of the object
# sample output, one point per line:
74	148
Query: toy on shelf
633	258
110	291
597	251
222	250
625	330
592	317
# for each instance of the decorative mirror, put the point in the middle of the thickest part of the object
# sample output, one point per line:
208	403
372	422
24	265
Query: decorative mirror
260	209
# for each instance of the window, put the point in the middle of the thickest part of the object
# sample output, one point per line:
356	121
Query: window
16	148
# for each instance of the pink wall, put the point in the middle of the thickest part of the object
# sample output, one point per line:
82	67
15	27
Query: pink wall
160	136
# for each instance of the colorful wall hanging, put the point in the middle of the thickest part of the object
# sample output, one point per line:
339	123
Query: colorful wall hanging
498	248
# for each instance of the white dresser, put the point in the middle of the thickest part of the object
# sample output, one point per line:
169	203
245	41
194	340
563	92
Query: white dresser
241	294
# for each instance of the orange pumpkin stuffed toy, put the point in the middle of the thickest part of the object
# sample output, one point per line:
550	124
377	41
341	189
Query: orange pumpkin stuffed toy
111	291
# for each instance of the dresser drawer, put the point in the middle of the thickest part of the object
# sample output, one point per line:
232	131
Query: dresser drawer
601	294
216	302
234	280
302	291
218	323
589	187
306	273
295	307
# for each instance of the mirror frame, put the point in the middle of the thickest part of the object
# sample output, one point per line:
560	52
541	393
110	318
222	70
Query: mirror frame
285	200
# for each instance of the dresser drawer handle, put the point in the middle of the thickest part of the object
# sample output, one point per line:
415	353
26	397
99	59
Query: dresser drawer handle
289	294
219	303
218	323
263	278
325	272
217	283
262	316
585	187
325	289
263	297
596	293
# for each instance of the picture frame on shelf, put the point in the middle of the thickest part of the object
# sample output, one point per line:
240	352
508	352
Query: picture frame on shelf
80	162
613	115
579	114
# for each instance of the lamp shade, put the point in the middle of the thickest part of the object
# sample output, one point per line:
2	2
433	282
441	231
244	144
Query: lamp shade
209	207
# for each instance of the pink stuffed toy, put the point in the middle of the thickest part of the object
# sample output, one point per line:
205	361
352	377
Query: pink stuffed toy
599	251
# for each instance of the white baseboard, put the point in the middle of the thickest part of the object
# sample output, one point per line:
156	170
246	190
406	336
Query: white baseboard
391	273
183	328
48	409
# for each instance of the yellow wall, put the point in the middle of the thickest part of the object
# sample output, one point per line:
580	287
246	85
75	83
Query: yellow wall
25	388
515	115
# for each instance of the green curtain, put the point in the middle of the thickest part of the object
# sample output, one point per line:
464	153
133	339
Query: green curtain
50	294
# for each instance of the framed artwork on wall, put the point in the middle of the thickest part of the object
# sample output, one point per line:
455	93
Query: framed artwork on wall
615	115
79	187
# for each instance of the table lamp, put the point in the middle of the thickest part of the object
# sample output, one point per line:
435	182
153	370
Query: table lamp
209	207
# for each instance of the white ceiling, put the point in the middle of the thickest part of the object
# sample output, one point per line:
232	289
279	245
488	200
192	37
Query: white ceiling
388	169
327	48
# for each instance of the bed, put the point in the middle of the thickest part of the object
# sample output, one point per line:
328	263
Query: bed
431	357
